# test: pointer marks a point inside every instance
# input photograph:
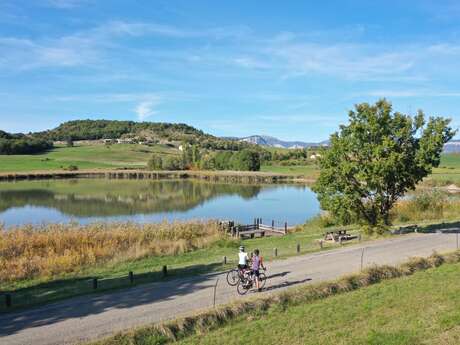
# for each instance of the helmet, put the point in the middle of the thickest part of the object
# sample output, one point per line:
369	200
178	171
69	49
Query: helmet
241	248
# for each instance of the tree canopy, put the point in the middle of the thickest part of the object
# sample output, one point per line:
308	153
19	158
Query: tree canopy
376	159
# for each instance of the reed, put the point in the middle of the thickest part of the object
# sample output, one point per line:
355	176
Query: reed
428	205
29	252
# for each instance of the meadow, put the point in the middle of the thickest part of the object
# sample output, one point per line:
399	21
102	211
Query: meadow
85	157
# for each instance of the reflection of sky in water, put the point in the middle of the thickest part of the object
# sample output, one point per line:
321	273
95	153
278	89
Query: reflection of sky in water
281	203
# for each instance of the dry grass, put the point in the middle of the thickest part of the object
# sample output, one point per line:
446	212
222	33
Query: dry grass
428	205
201	323
29	252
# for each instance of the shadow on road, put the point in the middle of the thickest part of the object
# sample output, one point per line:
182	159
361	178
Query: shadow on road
92	304
286	284
282	274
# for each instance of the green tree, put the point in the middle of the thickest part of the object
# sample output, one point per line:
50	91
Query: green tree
376	159
172	163
155	162
246	160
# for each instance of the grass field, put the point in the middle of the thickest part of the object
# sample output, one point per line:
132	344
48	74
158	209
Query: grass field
420	309
84	157
305	170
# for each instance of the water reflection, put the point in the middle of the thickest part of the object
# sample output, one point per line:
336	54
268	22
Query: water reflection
87	200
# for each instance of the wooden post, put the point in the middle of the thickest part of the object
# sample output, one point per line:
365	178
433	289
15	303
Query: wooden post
165	271
321	244
275	251
260	221
131	277
273	224
8	300
225	260
285	227
457	240
255	222
359	237
298	248
94	283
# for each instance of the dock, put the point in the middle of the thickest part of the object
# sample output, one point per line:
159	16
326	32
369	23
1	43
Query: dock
256	229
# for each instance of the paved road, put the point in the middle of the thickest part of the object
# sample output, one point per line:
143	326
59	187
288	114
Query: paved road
91	317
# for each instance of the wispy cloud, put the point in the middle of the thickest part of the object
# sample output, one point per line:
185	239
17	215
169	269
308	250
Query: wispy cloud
146	109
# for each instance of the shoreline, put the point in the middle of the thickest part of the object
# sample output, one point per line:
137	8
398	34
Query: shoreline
228	176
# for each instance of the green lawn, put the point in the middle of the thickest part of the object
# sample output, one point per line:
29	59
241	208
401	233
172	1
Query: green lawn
306	170
420	309
84	157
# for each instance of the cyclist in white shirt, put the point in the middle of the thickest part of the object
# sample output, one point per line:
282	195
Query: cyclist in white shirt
242	259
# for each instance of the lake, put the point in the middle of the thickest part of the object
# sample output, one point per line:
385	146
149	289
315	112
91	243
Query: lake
93	200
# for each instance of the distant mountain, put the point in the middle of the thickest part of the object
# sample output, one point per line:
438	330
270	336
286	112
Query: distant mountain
452	146
268	141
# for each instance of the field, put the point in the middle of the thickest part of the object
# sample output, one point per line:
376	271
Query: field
448	171
84	157
305	170
418	309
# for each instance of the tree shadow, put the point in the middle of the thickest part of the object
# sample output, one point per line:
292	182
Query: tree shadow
91	304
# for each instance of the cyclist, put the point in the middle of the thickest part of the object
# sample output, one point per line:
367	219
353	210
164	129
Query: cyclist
242	259
257	263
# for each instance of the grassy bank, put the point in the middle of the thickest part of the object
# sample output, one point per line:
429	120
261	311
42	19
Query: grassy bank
419	307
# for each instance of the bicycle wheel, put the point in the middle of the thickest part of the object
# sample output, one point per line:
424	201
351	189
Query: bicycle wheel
233	277
243	286
262	280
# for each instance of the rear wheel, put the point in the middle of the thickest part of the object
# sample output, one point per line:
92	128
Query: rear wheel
243	286
233	277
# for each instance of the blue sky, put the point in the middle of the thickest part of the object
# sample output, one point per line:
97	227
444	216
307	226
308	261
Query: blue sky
290	69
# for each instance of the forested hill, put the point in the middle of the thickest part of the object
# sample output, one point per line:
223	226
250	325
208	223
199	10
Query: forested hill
111	129
142	131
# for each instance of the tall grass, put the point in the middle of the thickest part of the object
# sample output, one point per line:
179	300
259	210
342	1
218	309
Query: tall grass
30	252
428	205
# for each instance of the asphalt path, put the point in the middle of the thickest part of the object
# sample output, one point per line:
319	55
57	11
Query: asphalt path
92	317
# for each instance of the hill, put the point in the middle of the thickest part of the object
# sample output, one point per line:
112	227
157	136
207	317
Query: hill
152	132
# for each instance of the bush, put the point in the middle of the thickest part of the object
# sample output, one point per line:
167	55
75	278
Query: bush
155	163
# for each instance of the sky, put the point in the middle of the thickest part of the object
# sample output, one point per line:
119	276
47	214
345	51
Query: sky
290	69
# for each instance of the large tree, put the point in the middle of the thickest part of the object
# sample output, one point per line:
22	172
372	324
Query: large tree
376	159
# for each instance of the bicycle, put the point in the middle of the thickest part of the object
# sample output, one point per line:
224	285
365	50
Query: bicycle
235	275
247	282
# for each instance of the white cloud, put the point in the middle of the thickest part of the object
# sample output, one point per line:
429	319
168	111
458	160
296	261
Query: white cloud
146	109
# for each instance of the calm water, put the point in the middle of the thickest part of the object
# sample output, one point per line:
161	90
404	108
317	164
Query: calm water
91	200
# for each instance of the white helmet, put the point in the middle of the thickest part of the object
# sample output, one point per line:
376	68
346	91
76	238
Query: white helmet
241	248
